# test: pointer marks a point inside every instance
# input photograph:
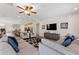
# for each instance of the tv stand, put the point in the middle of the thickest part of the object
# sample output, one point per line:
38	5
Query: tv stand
51	36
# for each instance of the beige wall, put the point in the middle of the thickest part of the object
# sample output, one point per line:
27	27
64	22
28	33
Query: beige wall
73	25
57	21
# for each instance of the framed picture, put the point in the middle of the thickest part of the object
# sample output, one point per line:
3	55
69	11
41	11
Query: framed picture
43	26
64	25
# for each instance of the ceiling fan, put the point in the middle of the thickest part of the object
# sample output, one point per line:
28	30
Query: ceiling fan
28	10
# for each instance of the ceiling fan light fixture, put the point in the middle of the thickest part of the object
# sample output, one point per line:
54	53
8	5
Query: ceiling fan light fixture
27	12
28	9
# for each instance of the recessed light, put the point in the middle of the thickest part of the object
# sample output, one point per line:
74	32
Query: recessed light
75	8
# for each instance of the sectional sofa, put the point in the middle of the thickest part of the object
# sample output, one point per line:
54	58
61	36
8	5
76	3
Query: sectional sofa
52	47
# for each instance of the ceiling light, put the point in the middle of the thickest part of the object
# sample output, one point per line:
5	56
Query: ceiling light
75	8
27	12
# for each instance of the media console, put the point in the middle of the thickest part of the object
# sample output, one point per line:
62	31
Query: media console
51	36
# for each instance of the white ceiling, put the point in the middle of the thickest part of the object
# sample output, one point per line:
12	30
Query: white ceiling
9	12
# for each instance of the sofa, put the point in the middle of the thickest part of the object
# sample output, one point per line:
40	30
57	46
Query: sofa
25	48
47	47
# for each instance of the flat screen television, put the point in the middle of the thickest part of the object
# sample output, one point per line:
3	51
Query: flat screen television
52	26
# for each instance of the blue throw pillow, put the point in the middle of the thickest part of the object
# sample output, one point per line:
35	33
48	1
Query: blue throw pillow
67	42
14	39
13	45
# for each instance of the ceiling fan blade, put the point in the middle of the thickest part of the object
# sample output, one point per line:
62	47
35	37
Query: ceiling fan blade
33	12
20	7
21	12
30	7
